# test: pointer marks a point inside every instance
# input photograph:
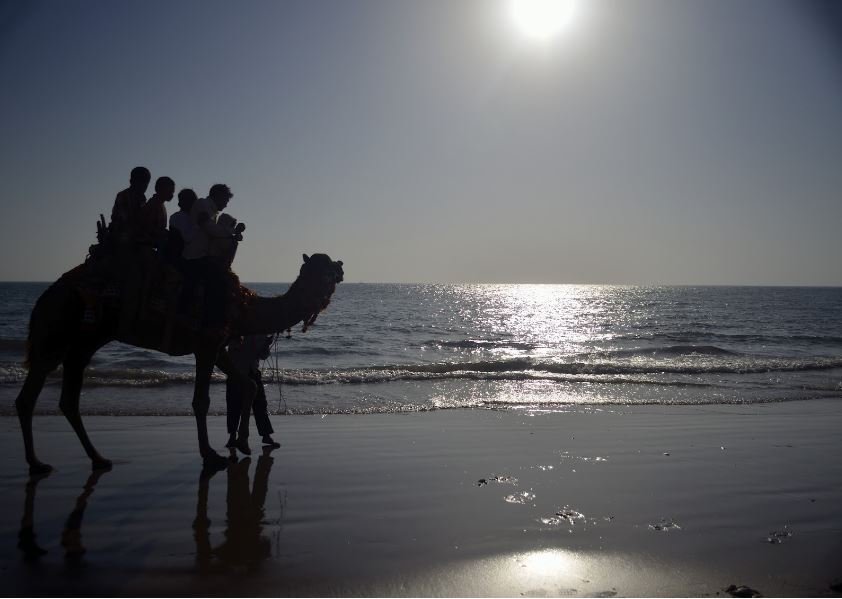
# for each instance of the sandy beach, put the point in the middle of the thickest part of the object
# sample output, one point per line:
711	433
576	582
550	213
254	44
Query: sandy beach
625	501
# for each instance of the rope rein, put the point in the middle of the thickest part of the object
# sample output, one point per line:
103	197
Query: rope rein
274	364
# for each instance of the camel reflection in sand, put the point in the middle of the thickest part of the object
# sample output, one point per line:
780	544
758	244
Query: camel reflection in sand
245	545
71	536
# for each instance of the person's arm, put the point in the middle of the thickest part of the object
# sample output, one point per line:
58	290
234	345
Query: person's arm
118	212
265	348
207	224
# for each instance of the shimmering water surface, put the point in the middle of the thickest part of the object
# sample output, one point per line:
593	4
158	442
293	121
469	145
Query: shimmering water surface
389	347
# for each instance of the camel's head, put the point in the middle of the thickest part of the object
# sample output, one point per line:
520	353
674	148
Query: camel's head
321	266
317	279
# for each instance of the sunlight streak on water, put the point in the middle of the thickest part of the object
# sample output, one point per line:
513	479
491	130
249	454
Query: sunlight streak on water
391	347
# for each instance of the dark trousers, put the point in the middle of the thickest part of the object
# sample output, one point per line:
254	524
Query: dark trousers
234	392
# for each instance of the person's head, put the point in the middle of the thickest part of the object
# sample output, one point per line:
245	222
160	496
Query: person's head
220	194
186	199
165	188
139	178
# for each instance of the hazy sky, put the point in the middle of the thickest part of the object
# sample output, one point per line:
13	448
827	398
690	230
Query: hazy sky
648	142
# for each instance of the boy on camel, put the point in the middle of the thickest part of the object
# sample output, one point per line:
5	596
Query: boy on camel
153	214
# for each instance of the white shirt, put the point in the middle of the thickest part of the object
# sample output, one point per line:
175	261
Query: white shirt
182	222
198	247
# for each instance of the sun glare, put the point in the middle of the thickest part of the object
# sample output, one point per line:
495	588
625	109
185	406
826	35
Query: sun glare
541	20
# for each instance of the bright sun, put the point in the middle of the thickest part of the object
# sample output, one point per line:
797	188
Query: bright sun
541	20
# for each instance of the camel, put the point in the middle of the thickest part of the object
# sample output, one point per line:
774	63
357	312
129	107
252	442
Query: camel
59	335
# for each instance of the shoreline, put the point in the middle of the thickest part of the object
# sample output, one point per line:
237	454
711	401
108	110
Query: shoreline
394	504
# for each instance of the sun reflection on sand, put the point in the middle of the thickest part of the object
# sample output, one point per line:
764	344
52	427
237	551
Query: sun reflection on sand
549	562
548	572
558	572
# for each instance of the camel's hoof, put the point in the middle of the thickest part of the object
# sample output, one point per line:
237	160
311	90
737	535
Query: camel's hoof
209	471
214	461
243	446
26	543
101	464
39	468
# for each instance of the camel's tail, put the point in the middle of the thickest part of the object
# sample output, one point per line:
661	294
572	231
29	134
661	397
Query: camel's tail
53	322
26	351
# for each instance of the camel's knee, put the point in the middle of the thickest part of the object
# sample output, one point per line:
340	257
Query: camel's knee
201	405
24	406
68	403
25	401
69	408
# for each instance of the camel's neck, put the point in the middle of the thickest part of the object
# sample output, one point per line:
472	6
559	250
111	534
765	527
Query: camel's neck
266	315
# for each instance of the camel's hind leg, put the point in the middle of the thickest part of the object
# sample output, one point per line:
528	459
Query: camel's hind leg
201	403
71	388
25	405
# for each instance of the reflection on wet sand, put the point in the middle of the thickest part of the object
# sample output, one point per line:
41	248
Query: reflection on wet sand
245	545
71	536
26	536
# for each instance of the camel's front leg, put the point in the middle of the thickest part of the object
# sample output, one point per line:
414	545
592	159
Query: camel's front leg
224	363
201	403
25	405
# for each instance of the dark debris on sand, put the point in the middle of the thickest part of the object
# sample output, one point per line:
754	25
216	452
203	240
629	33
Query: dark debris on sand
742	591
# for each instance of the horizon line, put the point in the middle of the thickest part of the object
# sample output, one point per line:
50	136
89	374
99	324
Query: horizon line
572	284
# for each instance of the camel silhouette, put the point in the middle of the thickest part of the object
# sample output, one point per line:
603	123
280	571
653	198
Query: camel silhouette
59	335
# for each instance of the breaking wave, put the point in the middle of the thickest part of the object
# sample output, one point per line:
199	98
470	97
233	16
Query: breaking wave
620	366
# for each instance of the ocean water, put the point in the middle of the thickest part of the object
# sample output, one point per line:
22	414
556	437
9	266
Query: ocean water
403	348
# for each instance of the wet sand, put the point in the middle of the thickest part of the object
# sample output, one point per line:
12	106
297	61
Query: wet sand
641	501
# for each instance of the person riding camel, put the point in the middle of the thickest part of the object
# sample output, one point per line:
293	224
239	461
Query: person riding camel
182	228
200	265
153	214
223	249
126	232
213	234
125	215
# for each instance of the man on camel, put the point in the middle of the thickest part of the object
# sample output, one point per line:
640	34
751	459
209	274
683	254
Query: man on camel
200	265
125	215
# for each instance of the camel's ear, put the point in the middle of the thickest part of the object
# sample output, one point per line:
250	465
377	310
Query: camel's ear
306	258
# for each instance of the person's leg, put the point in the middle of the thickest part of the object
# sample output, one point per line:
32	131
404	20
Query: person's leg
216	292
233	405
131	268
261	413
190	270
